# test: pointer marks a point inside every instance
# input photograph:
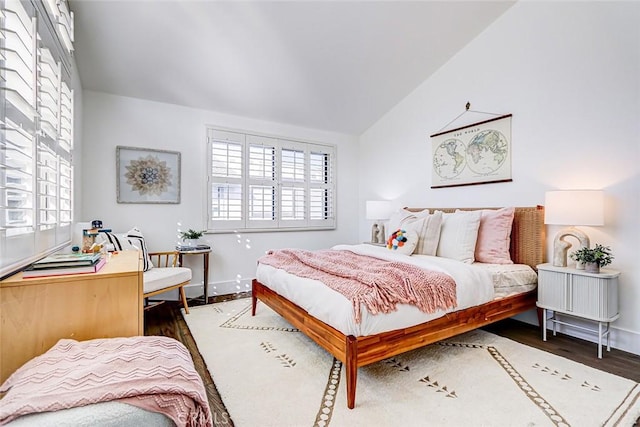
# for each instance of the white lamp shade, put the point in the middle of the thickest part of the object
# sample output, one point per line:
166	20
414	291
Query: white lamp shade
574	207
378	209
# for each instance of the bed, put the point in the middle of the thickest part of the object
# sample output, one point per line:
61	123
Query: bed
527	247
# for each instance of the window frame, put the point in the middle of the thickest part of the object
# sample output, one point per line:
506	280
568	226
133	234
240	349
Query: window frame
265	178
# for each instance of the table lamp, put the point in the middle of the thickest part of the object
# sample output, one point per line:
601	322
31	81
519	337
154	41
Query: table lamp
571	208
378	211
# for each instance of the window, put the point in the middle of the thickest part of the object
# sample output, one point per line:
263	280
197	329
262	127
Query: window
36	121
260	182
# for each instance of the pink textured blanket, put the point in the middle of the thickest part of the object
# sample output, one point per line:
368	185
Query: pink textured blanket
153	373
378	284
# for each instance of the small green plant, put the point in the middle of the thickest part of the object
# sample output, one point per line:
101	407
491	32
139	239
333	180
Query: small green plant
600	255
191	234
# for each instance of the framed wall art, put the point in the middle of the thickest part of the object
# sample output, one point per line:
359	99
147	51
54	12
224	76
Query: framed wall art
145	175
479	153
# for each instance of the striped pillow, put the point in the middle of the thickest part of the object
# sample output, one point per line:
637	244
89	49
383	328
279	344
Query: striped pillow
428	228
119	241
137	239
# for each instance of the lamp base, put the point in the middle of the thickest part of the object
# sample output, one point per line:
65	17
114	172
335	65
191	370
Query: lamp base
561	246
381	234
374	233
377	233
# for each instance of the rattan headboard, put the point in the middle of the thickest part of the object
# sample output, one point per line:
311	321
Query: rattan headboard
528	240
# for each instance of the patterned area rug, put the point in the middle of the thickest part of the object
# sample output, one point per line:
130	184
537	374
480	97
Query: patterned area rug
270	374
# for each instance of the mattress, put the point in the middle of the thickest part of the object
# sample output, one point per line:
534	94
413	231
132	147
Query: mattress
510	279
475	285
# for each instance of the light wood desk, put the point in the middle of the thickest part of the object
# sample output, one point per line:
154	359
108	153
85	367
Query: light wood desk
35	313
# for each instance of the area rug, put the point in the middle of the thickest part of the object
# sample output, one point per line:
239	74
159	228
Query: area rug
270	374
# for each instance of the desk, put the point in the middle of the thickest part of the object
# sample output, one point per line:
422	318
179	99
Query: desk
205	266
35	313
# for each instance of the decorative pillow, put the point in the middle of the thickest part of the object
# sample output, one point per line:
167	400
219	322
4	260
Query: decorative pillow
398	218
137	239
427	226
120	242
458	235
402	241
494	236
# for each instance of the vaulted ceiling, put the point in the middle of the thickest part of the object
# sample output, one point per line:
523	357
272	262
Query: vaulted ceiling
331	65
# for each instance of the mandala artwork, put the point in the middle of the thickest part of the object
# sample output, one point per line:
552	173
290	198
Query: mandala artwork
149	175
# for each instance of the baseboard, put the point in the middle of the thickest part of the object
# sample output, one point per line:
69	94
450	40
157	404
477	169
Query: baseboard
229	287
195	290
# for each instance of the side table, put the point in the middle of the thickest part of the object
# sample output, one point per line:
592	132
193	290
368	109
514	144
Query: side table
205	266
579	294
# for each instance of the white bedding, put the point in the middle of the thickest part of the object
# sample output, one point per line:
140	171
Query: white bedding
475	285
104	414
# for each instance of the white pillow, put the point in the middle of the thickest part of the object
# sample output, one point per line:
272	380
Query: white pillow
137	240
402	241
458	235
428	228
117	242
397	219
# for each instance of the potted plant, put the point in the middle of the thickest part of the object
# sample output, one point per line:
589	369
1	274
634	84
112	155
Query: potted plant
593	258
190	237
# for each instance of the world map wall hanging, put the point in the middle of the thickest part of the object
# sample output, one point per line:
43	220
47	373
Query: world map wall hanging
478	153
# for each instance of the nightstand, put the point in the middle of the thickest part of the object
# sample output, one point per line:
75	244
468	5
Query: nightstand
576	293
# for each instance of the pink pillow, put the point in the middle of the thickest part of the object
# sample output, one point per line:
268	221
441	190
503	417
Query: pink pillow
494	236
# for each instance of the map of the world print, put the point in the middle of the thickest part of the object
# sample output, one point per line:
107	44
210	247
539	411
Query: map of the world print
474	154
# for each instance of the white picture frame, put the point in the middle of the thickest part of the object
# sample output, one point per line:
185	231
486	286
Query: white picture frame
145	175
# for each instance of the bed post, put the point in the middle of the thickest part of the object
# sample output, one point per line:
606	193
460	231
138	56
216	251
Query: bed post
352	370
254	298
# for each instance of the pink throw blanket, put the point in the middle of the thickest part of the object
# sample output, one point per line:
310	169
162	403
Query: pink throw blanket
153	373
378	284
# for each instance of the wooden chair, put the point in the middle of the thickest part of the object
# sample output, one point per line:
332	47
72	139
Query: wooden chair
165	276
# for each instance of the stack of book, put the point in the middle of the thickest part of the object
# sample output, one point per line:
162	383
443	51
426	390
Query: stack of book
65	264
187	248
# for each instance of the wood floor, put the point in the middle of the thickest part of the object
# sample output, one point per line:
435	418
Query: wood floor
167	320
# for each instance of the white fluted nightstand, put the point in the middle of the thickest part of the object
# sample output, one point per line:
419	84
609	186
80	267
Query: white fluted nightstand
576	293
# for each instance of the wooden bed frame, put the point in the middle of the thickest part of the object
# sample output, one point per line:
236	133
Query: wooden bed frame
527	247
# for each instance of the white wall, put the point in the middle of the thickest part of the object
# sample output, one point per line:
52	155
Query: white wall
110	120
570	75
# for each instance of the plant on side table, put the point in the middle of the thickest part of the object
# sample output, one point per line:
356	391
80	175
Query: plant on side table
593	258
190	237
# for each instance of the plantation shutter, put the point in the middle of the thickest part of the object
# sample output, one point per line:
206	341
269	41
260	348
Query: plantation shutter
293	184
36	138
321	186
226	180
260	182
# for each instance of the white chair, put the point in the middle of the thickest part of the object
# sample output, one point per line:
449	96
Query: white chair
165	276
